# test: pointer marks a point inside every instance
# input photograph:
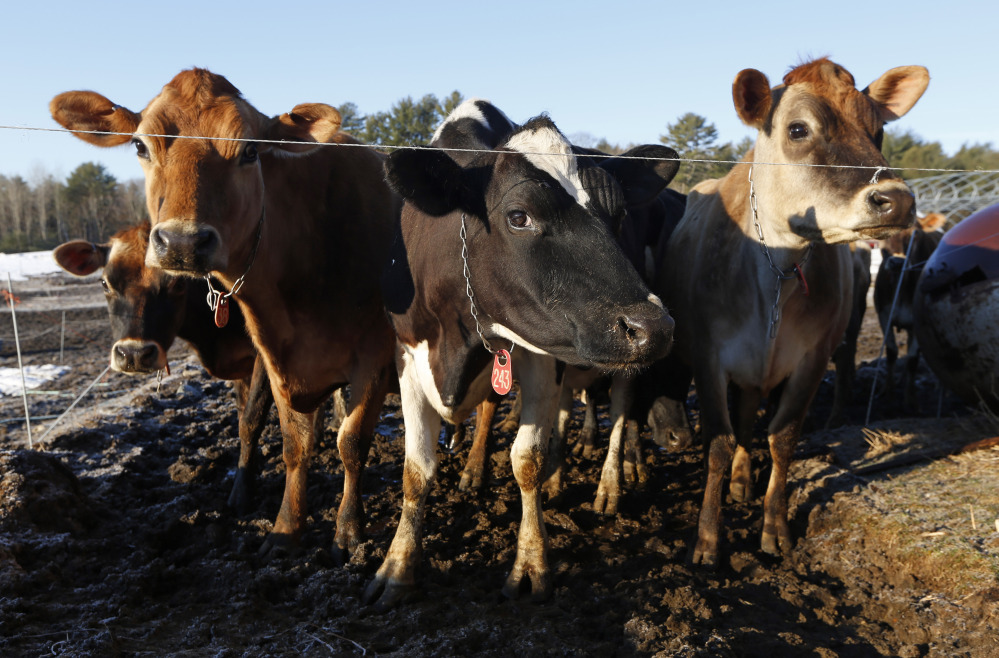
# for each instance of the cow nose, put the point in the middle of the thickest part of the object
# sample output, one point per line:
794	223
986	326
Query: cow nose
196	246
891	203
649	335
135	356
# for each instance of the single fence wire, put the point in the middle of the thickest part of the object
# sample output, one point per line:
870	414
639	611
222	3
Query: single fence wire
423	147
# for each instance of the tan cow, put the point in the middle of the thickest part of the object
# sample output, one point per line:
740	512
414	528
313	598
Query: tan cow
298	233
753	275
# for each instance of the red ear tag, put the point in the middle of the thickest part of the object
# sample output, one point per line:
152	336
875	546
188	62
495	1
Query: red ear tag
222	312
801	278
502	373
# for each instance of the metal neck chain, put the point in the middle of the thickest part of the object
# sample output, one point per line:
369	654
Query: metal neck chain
470	293
215	296
781	275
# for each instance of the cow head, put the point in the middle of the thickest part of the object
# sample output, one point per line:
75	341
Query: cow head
818	117
145	304
545	269
200	145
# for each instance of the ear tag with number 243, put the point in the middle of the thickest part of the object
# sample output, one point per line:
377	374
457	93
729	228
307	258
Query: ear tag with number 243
502	373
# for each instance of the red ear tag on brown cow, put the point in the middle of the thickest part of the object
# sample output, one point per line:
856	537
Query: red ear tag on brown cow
502	372
222	312
801	278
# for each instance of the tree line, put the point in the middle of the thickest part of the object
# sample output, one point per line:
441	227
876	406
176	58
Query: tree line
91	204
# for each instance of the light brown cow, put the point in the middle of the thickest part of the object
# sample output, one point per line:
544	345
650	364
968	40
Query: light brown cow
753	276
299	233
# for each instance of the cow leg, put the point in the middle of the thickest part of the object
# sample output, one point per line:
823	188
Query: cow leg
891	356
784	430
719	441
475	467
299	435
396	578
556	445
588	434
512	420
255	401
845	359
609	489
911	369
354	441
635	470
540	385
747	404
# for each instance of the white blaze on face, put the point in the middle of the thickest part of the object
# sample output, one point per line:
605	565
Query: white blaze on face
549	151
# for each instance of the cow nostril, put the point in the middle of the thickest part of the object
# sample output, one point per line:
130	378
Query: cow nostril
204	240
629	331
881	201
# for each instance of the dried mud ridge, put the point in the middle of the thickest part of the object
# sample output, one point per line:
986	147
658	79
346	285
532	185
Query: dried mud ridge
115	540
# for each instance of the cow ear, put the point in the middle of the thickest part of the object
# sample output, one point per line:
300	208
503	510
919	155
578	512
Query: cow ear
307	124
897	90
89	111
643	172
430	180
751	93
933	221
80	257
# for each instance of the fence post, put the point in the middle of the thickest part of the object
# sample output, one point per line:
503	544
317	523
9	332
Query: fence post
62	337
20	365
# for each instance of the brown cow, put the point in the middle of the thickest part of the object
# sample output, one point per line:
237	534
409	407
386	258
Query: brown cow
150	308
298	233
893	301
753	274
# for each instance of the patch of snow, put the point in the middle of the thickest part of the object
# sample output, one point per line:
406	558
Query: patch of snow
31	263
34	376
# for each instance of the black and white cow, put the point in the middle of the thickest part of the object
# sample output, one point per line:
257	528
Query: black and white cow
516	236
477	124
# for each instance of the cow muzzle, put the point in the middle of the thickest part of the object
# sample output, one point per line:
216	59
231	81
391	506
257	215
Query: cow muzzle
185	248
133	356
890	207
641	335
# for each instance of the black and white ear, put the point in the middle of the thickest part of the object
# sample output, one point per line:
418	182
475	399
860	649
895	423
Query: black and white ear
80	257
430	180
643	172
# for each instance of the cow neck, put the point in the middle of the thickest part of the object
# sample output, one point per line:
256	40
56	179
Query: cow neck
781	275
217	297
471	294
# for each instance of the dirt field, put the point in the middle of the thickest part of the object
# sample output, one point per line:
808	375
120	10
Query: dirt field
115	538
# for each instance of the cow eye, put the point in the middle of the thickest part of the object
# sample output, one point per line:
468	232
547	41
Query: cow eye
519	220
249	154
140	148
797	131
107	288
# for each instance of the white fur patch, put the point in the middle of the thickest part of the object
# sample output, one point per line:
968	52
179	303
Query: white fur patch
503	332
549	151
467	110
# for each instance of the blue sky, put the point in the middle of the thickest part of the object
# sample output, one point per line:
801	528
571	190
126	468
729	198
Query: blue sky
616	69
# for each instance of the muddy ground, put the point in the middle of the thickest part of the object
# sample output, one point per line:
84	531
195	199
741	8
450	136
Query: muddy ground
115	538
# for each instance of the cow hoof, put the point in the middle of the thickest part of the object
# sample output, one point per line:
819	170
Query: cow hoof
241	497
470	482
385	595
541	586
705	558
605	504
776	545
739	491
277	545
